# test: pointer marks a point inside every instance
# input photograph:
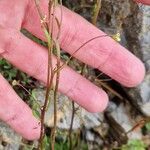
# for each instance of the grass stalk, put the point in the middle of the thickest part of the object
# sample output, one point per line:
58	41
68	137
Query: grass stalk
55	97
50	74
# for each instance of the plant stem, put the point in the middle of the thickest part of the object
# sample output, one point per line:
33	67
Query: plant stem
94	20
55	96
71	126
50	73
96	11
53	134
73	54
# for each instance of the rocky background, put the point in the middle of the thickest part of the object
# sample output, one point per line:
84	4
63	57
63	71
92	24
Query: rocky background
128	114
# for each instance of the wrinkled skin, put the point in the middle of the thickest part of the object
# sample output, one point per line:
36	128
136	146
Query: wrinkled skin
103	53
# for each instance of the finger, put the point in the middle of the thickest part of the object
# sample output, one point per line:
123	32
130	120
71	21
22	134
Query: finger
147	2
32	59
9	9
16	113
102	53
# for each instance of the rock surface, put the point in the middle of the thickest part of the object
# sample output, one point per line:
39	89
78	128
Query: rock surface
64	112
142	93
9	140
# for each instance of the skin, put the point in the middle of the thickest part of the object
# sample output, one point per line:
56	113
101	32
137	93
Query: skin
103	53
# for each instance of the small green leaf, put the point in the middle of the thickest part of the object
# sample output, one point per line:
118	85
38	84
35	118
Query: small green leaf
147	126
134	145
36	113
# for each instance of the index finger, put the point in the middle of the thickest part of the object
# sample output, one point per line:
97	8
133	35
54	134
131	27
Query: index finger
102	53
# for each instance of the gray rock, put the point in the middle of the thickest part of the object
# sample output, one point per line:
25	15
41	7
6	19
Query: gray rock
123	117
7	135
82	117
144	36
90	136
141	94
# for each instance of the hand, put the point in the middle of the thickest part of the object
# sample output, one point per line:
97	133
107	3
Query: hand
103	53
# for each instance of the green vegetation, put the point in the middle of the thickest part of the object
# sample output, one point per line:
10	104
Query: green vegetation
11	74
134	145
147	126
